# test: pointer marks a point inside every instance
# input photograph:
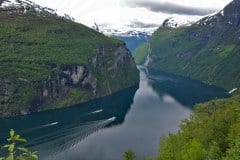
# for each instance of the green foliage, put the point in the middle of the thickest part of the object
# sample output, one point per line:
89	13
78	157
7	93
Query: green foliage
140	53
34	48
129	155
226	50
233	153
15	152
206	53
211	133
75	96
31	43
193	150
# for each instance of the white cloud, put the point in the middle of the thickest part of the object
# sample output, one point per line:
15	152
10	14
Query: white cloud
118	12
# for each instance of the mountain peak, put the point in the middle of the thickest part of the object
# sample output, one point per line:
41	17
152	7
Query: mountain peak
22	6
26	6
231	12
176	22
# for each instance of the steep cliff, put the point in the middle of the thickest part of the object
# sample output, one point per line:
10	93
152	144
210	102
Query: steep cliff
207	50
48	61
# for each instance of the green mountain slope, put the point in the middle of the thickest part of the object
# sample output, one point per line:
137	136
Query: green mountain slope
207	50
48	62
141	53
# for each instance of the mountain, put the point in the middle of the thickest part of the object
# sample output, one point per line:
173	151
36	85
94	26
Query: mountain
133	39
132	29
207	50
48	61
132	36
177	22
141	52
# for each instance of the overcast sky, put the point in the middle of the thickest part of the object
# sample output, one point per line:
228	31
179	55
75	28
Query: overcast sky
127	12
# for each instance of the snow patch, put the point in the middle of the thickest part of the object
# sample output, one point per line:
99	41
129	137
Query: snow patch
222	13
123	30
23	6
177	22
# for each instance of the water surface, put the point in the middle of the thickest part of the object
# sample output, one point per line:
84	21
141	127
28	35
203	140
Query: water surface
103	129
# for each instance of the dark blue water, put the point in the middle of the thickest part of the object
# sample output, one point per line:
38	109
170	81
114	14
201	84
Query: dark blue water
103	129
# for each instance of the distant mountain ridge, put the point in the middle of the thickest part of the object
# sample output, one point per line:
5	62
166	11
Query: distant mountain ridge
123	31
132	39
207	50
134	36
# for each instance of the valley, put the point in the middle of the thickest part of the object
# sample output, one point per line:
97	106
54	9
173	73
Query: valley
130	88
205	50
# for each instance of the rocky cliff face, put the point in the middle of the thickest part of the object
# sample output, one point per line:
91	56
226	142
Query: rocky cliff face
50	62
207	50
72	84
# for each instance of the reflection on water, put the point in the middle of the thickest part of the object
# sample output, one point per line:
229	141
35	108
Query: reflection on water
104	128
185	90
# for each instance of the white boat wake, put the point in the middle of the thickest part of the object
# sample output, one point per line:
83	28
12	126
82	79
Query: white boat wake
98	111
233	90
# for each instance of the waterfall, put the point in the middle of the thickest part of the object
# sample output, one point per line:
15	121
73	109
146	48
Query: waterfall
148	55
148	59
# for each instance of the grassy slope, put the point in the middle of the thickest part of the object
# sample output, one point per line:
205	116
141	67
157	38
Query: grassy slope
31	45
140	53
211	133
35	40
190	52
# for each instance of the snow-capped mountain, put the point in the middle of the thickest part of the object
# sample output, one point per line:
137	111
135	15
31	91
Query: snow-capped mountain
207	50
220	16
133	40
24	6
128	31
176	22
125	30
147	29
133	37
134	34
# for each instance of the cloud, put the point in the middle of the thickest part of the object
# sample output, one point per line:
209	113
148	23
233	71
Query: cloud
138	24
170	8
